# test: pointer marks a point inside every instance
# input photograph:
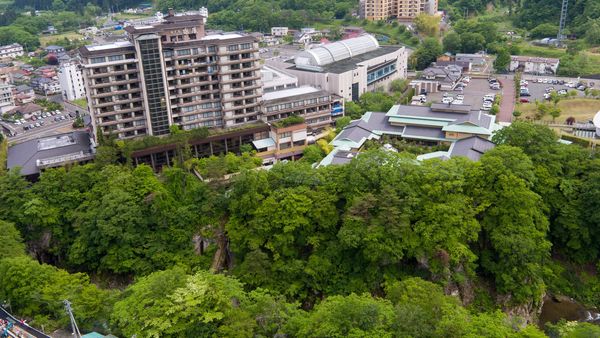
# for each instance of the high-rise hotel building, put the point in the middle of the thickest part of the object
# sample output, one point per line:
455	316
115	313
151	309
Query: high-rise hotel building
172	73
396	9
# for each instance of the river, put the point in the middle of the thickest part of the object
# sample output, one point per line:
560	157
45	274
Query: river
556	308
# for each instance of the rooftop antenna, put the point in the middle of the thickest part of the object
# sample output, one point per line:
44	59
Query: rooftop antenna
563	20
76	332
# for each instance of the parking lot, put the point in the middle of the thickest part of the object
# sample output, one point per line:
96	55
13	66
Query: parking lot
538	89
473	93
39	125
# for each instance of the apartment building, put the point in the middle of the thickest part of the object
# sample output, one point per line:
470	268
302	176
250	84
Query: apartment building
397	9
172	73
70	78
6	98
11	51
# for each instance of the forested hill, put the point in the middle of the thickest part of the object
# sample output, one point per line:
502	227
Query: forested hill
529	14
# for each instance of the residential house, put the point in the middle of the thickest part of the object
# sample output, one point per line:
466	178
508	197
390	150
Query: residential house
437	78
533	65
23	94
53	49
5	70
26	110
478	61
45	86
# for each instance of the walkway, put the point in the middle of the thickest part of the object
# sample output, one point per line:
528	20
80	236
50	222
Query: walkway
507	106
22	330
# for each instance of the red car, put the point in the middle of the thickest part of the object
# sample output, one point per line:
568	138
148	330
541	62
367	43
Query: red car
524	100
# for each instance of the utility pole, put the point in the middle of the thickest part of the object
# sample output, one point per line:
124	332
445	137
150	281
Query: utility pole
76	332
563	20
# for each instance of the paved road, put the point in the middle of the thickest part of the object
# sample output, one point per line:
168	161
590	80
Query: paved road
507	106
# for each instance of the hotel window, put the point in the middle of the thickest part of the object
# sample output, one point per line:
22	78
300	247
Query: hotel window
116	58
98	59
183	52
233	47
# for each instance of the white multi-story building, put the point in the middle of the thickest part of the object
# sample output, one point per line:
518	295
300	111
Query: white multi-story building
6	98
348	68
11	51
70	78
279	31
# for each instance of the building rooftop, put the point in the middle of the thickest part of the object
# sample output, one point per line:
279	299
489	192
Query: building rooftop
291	92
117	44
522	58
33	155
337	51
471	147
343	66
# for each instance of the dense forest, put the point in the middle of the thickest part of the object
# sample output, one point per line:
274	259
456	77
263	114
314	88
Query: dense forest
336	251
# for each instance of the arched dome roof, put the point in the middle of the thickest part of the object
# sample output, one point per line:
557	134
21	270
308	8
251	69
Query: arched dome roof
336	51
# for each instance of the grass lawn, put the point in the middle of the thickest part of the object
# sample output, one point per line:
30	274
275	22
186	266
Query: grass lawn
127	16
82	102
581	109
46	40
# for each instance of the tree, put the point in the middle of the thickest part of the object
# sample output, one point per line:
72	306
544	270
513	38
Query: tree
427	53
428	25
555	112
342	122
592	34
544	30
502	60
472	42
495	109
12	243
514	227
339	316
452	43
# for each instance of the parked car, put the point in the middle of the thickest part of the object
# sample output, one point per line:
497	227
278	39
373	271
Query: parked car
562	92
447	99
460	97
457	101
37	124
524	100
524	94
582	88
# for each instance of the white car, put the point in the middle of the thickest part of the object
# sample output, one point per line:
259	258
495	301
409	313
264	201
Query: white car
18	123
457	101
447	99
22	121
489	97
570	84
460	97
466	79
524	83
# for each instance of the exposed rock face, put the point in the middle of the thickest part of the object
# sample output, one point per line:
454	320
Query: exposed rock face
527	313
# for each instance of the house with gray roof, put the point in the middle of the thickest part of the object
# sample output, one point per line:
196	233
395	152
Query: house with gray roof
438	124
33	156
